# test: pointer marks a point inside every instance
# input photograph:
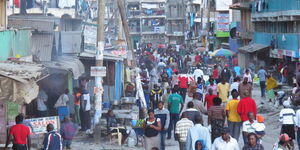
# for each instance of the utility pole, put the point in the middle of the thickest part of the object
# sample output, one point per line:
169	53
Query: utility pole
126	28
208	25
2	14
99	64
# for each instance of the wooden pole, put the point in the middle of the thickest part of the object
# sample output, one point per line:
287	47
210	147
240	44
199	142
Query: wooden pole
2	14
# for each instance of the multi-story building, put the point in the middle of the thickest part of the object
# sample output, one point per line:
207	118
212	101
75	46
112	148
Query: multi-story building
175	10
276	37
147	21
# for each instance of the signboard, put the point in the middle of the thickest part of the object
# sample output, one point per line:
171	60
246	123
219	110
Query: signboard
223	22
39	125
98	71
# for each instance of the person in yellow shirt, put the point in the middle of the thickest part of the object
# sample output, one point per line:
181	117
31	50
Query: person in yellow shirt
271	84
223	90
234	119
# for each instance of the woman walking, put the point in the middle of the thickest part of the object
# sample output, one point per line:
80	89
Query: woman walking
152	127
216	118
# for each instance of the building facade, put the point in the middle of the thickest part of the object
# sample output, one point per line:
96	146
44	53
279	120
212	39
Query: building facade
147	21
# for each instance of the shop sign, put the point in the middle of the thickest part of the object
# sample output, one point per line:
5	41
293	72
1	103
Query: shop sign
39	125
98	71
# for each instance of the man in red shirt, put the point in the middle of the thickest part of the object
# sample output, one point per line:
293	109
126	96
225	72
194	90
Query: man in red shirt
209	99
20	134
215	74
245	106
183	85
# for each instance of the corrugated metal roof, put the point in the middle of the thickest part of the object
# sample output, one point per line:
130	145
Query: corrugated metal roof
41	45
69	63
40	25
107	55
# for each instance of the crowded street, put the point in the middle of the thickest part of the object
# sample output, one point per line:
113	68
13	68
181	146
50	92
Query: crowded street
149	75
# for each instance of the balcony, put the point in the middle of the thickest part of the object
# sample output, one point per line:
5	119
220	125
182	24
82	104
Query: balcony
276	10
284	41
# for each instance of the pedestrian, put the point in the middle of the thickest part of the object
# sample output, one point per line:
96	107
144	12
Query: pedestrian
216	118
164	79
199	105
42	99
223	90
62	105
284	74
200	145
174	103
271	84
247	74
192	112
235	84
262	74
287	117
192	89
175	79
237	70
247	127
245	89
253	143
198	73
77	95
212	85
225	73
215	74
181	130
52	140
245	106
200	88
68	131
183	85
284	143
155	96
209	98
85	107
234	119
297	124
198	132
152	128
165	97
164	115
19	134
225	142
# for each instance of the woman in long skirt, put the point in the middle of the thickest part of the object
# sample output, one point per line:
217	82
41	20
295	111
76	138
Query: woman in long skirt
216	118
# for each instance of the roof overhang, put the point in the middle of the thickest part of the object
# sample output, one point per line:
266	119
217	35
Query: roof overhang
253	48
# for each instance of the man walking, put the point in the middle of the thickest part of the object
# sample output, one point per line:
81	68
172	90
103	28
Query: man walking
85	107
245	89
245	106
68	131
225	73
156	94
225	142
181	131
198	132
234	119
164	115
262	80
42	99
20	135
174	101
52	140
192	113
223	90
198	105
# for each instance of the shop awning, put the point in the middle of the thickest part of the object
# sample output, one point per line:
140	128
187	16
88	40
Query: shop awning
253	48
107	55
68	63
18	81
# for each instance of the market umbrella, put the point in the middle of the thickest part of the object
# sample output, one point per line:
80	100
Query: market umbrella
222	52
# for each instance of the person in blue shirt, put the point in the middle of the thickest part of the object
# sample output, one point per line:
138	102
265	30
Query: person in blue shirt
237	70
52	140
262	80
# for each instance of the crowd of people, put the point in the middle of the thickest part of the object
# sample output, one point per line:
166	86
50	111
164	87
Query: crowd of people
186	98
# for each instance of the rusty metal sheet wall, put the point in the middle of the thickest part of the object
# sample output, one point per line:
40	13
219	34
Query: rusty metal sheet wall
40	25
71	41
42	45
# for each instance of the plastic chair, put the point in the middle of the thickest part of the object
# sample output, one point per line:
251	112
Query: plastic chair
116	135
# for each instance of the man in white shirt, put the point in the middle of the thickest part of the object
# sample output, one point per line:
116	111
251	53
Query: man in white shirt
225	142
42	98
235	84
182	128
198	73
288	118
247	126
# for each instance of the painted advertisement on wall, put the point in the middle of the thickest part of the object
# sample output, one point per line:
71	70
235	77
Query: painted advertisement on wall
222	25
